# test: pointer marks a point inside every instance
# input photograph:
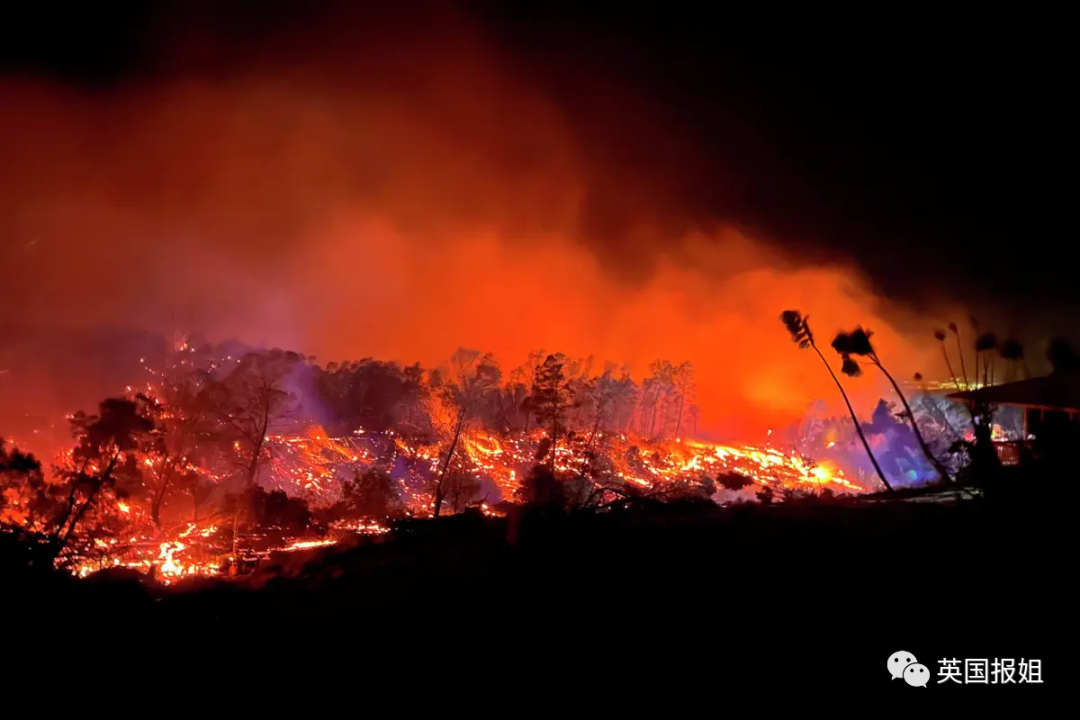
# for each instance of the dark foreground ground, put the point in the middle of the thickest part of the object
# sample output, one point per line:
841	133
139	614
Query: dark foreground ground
788	595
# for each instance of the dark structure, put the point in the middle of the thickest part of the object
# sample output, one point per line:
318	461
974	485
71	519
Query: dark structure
1049	405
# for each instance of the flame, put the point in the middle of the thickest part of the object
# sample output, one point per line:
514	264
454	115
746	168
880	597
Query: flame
313	465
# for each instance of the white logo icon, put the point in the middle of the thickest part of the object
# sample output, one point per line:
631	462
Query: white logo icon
898	661
916	675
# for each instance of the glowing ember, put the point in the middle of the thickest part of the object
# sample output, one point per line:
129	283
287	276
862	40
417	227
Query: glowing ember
307	545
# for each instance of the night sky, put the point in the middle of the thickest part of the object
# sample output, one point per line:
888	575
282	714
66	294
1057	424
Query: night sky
212	143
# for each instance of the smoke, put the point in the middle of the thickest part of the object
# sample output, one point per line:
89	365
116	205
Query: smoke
397	192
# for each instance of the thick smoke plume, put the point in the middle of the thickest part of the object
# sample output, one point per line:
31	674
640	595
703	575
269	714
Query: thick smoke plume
399	192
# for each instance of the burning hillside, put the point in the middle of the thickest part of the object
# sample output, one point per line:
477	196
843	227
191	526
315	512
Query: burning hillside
221	461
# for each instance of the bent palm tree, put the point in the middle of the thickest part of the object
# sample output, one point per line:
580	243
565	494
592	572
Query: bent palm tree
939	335
960	349
857	342
799	328
984	348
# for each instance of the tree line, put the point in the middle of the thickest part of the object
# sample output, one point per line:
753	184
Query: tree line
205	421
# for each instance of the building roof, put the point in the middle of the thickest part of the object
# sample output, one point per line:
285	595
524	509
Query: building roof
1058	391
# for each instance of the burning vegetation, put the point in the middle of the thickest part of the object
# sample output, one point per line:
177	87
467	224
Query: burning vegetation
226	456
221	460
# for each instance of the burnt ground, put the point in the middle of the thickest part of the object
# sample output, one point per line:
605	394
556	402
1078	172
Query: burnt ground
776	590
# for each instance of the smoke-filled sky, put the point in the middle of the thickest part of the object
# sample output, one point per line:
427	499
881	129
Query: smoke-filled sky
397	184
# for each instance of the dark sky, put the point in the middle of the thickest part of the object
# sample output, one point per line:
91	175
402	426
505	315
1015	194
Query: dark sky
929	144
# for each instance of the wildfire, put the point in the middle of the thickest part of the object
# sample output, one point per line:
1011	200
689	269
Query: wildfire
475	468
313	465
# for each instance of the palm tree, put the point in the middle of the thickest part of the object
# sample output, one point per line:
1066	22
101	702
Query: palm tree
984	346
1013	352
1062	357
799	328
939	335
960	349
857	342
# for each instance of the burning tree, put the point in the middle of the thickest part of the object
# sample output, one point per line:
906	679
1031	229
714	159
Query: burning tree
245	404
66	514
182	419
550	400
248	401
686	389
461	489
799	329
471	389
28	502
857	342
655	391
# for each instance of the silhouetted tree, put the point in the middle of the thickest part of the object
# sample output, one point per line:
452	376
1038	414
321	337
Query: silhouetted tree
542	488
1012	352
27	500
733	481
799	329
370	494
462	489
939	335
857	342
29	505
686	387
276	509
1062	357
183	418
624	401
551	398
960	349
246	403
657	392
525	376
474	384
103	460
985	344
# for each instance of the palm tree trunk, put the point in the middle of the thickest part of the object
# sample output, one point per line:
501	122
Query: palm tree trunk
960	349
942	471
854	419
948	364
